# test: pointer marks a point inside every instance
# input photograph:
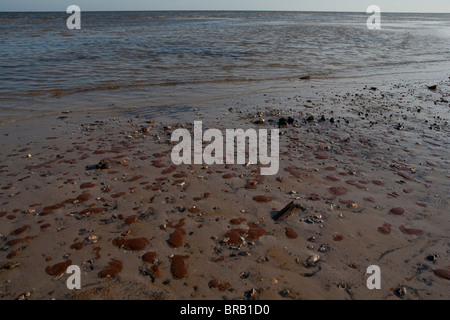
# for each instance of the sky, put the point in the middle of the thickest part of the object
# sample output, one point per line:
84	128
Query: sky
283	5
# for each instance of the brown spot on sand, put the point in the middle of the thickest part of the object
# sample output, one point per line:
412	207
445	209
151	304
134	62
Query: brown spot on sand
19	230
53	207
314	197
294	171
355	183
321	156
135	178
58	268
149	257
262	198
338	191
83	197
92	210
87	185
106	190
158	164
255	233
290	233
333	178
118	195
13	242
228	175
169	170
385	228
176	238
77	246
421	204
338	237
378	182
131	219
404	175
155	270
194	210
411	230
12	254
222	286
251	185
96	251
234	236
237	221
219	259
431	163
159	155
114	268
180	175
178	266
45	226
398	211
136	244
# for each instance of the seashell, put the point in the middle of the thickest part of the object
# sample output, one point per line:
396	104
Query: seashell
401	291
342	285
252	294
9	265
312	260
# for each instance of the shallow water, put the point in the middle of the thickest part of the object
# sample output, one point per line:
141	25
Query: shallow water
160	52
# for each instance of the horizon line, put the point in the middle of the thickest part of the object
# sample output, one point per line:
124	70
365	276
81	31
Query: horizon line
226	10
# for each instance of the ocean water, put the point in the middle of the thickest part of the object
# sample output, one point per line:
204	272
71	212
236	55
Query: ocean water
153	52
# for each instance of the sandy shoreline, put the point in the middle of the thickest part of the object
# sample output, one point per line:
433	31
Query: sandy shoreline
386	148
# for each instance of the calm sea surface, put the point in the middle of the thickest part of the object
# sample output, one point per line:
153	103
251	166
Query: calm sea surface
40	58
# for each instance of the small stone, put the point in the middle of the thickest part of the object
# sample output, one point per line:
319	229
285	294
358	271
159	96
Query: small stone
103	165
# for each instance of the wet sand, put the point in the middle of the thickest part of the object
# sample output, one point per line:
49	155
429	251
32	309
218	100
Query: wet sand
367	166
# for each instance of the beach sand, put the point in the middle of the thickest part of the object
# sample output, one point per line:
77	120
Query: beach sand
369	172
